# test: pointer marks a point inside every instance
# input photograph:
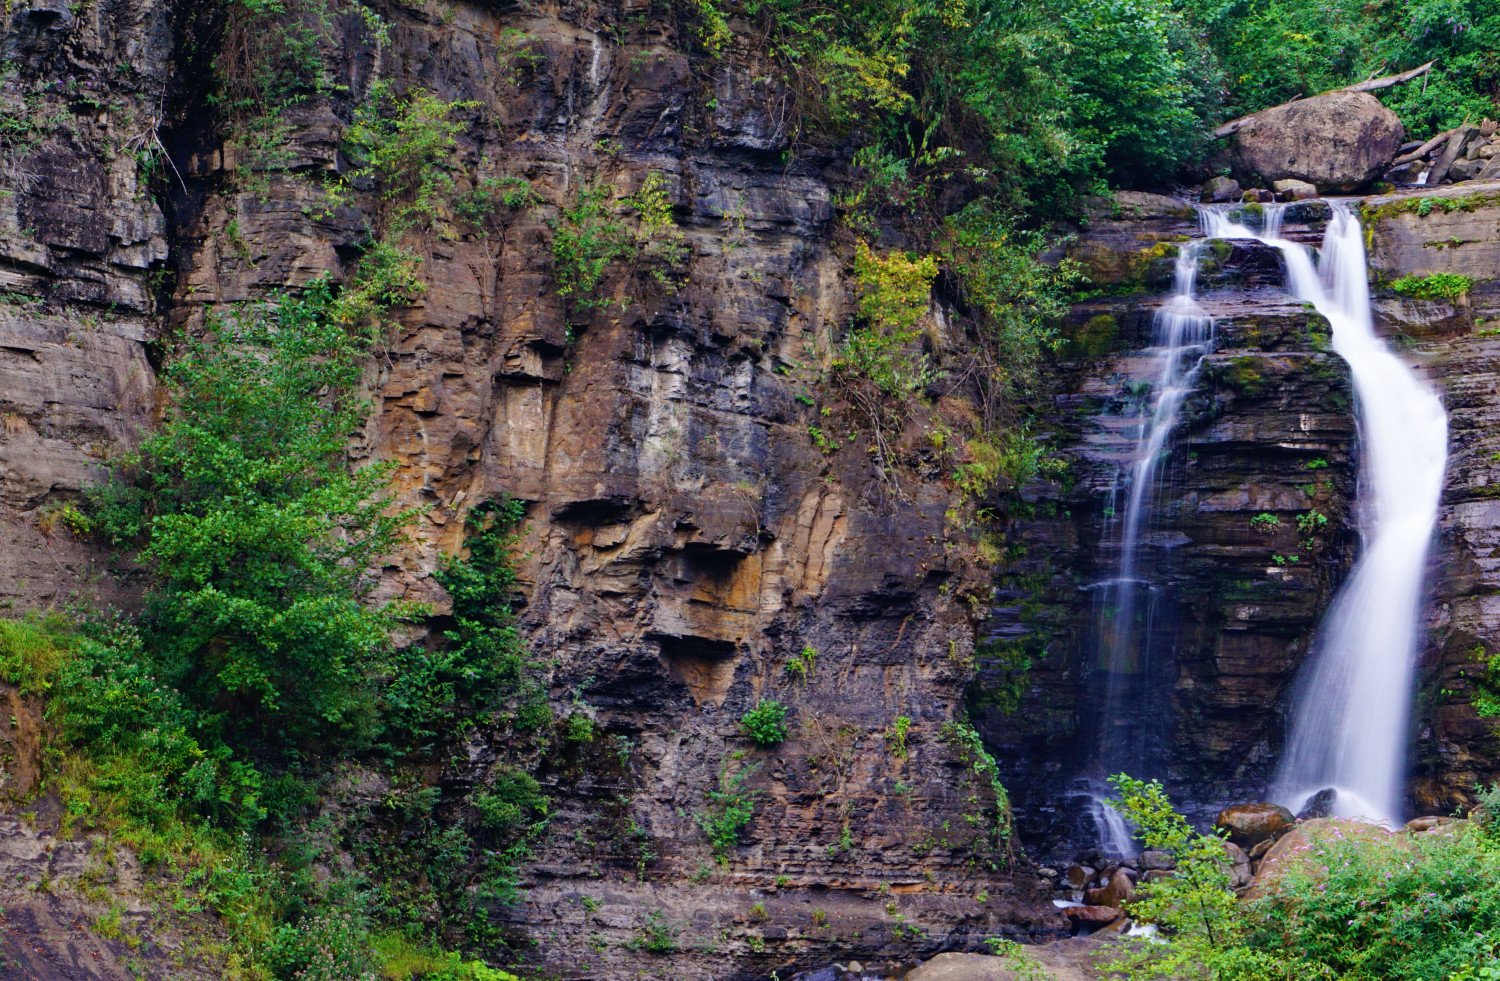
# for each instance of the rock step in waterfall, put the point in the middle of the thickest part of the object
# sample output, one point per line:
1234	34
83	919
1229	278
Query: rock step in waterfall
1349	729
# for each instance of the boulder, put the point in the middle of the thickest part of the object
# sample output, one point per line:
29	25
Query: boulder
1418	825
1153	860
1141	205
1465	170
1221	189
1239	865
1250	824
965	967
1258	195
1093	916
1406	173
1079	876
1294	190
1118	889
1297	848
1339	142
1319	805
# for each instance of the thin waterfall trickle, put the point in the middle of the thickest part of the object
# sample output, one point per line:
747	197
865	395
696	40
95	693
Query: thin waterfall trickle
1349	730
1182	333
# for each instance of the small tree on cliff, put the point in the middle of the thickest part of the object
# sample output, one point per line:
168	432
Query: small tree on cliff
255	529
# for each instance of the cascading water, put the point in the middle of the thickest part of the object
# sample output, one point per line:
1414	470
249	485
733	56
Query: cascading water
1182	332
1349	729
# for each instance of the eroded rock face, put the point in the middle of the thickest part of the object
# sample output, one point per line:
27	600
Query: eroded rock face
1340	142
82	240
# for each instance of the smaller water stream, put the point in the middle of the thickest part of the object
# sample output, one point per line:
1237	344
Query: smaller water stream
1182	333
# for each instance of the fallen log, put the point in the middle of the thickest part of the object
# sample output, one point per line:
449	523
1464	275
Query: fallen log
1369	85
1376	84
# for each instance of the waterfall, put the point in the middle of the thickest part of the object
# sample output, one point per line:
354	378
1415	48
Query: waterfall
1349	730
1181	335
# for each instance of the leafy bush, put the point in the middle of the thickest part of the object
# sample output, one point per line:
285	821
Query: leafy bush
256	533
586	238
1439	286
405	143
765	724
484	672
987	803
1017	298
802	664
730	808
1355	905
1144	86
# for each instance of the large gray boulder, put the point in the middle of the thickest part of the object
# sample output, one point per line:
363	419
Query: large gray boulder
1340	142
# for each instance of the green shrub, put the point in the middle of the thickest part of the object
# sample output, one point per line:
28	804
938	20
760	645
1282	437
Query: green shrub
1194	906
1361	906
405	142
1265	523
1439	286
765	724
256	532
895	739
730	808
986	801
586	238
802	664
895	291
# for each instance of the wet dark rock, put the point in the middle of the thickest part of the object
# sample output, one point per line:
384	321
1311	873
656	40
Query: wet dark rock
1219	189
1319	805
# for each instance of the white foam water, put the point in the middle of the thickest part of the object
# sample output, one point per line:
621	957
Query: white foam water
1349	730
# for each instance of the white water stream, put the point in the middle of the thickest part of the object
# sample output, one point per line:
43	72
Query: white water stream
1349	731
1182	333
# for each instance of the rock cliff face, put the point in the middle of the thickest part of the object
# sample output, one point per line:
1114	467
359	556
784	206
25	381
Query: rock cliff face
685	536
82	245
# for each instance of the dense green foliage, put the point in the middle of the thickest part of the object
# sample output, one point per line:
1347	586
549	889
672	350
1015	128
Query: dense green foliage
730	808
765	724
1275	50
255	532
1353	905
1035	99
1439	286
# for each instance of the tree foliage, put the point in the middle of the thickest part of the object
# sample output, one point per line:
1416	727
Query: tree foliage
258	537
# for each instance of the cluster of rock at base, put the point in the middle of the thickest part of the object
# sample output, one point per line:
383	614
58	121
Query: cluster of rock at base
1467	153
1259	839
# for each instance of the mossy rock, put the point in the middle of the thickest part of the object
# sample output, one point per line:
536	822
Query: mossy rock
1308	213
1241	374
1095	337
1120	270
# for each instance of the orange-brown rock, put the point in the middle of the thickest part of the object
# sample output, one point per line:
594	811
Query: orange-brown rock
1118	890
1250	824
